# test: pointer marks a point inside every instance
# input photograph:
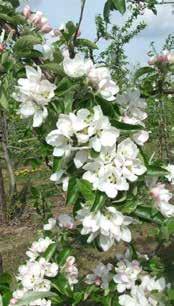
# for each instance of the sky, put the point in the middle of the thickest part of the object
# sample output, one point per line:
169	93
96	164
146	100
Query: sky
61	11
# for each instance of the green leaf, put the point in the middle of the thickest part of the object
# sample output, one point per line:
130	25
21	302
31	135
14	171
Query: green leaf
154	170
16	19
62	285
5	278
144	212
26	42
57	164
73	192
63	255
86	43
68	102
4	100
86	190
70	27
142	71
50	251
32	296
129	206
170	293
106	11
107	108
125	126
99	201
120	5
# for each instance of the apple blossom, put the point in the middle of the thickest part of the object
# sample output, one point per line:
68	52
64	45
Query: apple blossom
126	274
66	221
70	270
133	107
50	225
140	137
76	67
111	226
26	11
162	196
34	93
170	175
101	276
100	79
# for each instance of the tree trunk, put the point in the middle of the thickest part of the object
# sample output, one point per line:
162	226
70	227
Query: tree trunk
3	205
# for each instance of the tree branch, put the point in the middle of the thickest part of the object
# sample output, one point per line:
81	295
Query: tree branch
80	21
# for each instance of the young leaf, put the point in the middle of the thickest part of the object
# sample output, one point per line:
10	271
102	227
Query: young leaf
125	126
73	192
86	43
120	5
86	190
99	201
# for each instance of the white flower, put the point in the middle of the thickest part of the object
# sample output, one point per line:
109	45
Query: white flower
61	143
149	283
76	67
112	181
48	52
166	209
80	158
18	294
34	93
133	107
127	159
71	271
140	137
59	178
32	277
170	175
41	302
109	227
101	276
50	269
108	89
162	196
126	274
160	193
100	78
66	221
38	247
50	225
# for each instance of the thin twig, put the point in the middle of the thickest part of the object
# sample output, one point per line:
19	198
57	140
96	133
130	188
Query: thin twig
80	21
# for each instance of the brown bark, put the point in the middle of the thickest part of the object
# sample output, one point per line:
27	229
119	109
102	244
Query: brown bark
3	205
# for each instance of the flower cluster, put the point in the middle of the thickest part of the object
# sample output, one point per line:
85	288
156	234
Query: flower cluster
166	57
97	76
37	19
110	226
34	93
101	276
35	275
134	286
162	196
80	133
70	271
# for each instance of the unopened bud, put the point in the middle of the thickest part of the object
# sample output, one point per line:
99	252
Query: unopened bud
27	11
46	28
2	48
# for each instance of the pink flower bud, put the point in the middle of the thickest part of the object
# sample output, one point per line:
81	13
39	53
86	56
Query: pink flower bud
46	28
36	18
2	48
78	33
43	21
27	11
170	58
